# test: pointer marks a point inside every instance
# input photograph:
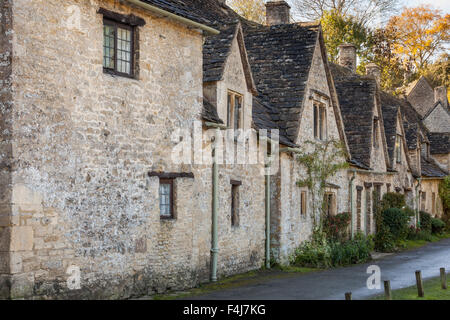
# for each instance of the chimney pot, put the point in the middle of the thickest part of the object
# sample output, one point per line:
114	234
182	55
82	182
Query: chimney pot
440	94
374	70
277	12
347	56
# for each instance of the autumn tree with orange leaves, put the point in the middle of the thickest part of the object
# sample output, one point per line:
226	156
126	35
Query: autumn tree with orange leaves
254	10
419	34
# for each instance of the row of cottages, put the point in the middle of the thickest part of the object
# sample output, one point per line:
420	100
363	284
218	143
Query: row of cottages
113	115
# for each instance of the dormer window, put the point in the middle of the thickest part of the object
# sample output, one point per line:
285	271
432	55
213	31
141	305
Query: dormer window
320	121
375	132
398	149
234	110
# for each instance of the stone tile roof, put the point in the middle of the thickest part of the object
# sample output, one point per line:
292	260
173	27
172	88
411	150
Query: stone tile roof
182	8
280	57
262	120
216	50
431	170
209	112
439	143
357	101
390	106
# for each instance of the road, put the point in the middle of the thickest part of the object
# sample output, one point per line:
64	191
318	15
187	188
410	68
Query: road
332	284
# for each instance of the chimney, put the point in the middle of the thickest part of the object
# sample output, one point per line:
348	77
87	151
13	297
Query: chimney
374	70
277	12
440	94
347	56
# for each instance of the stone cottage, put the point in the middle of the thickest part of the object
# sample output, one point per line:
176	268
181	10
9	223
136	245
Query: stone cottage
98	95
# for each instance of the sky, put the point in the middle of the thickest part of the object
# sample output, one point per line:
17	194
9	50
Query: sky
443	5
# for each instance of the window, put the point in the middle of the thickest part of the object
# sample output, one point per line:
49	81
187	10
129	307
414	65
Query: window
424	201
303	203
425	150
433	204
166	199
375	132
320	121
398	149
235	204
358	208
234	110
329	204
118	51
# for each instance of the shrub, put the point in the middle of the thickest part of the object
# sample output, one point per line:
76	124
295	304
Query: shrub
322	253
336	227
352	251
384	241
418	234
393	200
425	221
437	225
397	221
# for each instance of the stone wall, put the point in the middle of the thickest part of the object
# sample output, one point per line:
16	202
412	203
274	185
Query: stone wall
6	109
443	159
83	144
430	187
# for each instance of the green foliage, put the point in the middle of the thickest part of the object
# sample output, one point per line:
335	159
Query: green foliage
323	253
393	200
437	226
444	193
397	221
419	234
336	227
384	240
339	29
425	221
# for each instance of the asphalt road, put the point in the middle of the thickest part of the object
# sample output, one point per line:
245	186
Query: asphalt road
332	284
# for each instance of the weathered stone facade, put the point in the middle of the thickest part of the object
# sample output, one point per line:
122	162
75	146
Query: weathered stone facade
83	151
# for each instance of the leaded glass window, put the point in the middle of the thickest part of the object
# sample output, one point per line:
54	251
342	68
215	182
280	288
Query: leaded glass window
117	48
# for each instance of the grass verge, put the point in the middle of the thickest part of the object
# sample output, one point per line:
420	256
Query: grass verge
248	278
432	290
414	244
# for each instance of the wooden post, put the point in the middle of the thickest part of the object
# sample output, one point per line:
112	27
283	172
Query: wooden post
348	296
419	284
387	290
443	279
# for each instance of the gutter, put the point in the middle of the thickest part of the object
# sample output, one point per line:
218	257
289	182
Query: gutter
351	204
175	17
418	202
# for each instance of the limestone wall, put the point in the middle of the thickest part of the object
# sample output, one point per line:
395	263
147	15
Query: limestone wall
430	187
438	120
83	144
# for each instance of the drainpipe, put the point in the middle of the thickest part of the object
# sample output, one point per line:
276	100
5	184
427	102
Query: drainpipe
268	216
215	203
418	202
351	204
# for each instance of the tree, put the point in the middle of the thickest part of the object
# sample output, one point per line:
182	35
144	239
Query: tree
395	71
338	29
364	11
254	10
420	33
439	72
322	163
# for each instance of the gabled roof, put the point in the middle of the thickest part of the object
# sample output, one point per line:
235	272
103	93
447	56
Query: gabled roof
430	169
390	108
357	96
280	57
217	49
438	103
439	143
